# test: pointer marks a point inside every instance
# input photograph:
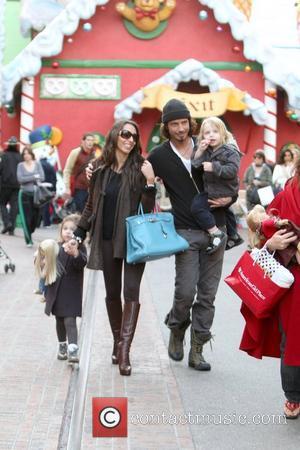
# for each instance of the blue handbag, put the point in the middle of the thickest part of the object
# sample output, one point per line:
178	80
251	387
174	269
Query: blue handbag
152	236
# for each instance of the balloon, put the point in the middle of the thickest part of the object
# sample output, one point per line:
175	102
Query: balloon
42	133
56	136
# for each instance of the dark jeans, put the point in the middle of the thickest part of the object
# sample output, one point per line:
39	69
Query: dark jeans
66	326
80	197
290	376
112	272
196	273
231	225
31	214
9	196
46	216
201	211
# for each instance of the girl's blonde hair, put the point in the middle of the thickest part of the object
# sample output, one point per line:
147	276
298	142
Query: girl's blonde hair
46	261
254	219
70	218
226	136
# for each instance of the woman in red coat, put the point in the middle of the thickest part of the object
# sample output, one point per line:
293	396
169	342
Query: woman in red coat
279	335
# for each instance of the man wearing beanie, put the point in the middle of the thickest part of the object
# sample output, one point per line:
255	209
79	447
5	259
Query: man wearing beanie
196	271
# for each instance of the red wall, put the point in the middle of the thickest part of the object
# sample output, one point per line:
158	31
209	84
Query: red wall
10	126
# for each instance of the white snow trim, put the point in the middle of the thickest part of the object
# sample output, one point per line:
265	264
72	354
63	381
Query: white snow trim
241	29
2	30
191	69
47	43
274	66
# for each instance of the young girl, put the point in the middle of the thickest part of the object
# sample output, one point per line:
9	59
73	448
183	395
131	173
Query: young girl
219	158
262	226
62	267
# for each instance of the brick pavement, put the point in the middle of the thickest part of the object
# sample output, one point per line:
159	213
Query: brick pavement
34	383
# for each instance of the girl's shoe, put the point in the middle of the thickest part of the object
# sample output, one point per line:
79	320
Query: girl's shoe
215	241
73	353
233	241
291	410
62	351
38	292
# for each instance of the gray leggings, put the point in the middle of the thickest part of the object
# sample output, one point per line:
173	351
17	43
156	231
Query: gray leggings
66	326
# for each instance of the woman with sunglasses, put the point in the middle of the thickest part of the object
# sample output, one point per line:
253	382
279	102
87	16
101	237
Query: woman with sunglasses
121	180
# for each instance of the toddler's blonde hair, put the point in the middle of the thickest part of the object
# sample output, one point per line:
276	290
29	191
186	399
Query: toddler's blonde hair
226	136
46	261
254	219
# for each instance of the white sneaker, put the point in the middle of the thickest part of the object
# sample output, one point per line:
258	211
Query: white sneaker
73	353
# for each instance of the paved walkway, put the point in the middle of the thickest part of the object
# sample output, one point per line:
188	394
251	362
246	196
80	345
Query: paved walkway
34	383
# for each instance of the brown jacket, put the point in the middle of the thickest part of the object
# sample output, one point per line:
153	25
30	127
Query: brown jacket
127	205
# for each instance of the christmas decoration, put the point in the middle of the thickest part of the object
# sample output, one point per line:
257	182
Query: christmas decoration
87	26
203	15
236	49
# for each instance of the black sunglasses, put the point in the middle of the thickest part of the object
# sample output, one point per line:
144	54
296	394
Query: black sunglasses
126	134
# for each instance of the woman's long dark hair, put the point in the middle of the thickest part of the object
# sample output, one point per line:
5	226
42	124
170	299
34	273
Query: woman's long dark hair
132	166
29	150
282	153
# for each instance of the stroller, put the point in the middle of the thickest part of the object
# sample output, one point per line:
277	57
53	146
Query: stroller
8	264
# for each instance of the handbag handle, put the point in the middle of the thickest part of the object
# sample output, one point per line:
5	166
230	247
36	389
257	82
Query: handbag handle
141	209
264	248
257	256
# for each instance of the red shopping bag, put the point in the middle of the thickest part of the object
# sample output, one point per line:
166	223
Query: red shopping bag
254	287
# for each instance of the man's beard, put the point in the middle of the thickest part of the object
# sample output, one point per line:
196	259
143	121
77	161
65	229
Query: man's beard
181	137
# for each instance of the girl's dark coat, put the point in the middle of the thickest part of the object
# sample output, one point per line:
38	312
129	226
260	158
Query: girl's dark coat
64	297
127	205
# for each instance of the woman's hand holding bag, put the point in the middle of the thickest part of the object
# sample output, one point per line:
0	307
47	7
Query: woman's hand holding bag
152	236
260	281
42	194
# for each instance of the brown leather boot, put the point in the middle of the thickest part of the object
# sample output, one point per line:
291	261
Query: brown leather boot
129	321
114	312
